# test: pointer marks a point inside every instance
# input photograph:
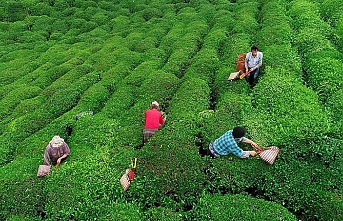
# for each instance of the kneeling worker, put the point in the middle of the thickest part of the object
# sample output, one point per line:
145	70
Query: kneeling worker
227	144
153	121
56	151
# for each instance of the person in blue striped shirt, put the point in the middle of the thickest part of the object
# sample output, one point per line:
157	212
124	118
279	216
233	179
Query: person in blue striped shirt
228	144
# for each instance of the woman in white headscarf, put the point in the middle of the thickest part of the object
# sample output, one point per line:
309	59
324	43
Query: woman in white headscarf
56	151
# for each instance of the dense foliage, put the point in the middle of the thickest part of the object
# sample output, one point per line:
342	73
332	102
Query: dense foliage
60	58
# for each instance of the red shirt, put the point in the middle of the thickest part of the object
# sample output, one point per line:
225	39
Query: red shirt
153	119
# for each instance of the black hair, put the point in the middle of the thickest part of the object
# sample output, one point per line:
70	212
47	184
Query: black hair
253	48
238	132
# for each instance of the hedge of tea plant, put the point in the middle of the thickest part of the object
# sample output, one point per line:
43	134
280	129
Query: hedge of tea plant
171	163
316	106
237	42
321	62
185	48
330	11
62	58
239	207
339	33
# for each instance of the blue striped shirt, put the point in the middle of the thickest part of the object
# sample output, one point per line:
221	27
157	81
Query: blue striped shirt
227	144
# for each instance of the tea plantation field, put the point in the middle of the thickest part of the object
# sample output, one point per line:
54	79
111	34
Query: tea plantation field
59	58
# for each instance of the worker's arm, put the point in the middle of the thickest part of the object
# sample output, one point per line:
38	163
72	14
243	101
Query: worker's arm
247	154
61	158
248	141
241	153
66	152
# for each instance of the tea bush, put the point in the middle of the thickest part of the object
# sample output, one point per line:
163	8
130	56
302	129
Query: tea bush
133	59
187	15
160	86
167	162
94	98
330	11
314	46
24	106
277	48
44	78
239	207
115	74
311	186
177	62
120	23
120	100
285	108
185	48
163	90
228	114
156	55
133	38
158	32
311	40
283	56
276	29
205	65
223	19
335	104
13	98
325	83
235	45
339	33
207	11
306	14
216	39
10	74
55	106
57	54
13	11
173	35
88	196
245	14
161	213
22	198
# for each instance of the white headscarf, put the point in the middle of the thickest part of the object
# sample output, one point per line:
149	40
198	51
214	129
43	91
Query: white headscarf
56	142
155	103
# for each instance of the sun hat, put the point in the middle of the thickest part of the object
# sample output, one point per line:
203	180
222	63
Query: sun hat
56	141
155	103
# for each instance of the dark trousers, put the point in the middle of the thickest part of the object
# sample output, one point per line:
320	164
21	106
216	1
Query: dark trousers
206	152
252	77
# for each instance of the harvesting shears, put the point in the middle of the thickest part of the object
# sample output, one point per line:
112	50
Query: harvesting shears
133	169
244	74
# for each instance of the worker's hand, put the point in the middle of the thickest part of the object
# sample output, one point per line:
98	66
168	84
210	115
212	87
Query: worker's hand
253	144
253	153
59	160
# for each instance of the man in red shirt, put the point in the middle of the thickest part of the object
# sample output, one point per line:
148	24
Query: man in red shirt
153	121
